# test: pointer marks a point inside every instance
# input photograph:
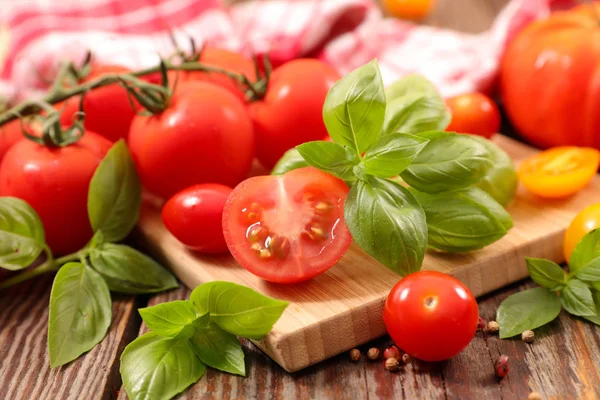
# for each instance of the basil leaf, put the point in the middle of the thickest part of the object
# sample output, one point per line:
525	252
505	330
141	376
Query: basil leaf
595	318
80	313
577	299
414	105
527	310
585	251
330	157
238	309
501	180
590	272
355	107
392	154
448	163
463	220
290	160
546	273
115	194
21	234
434	135
387	222
218	349
169	319
154	367
126	270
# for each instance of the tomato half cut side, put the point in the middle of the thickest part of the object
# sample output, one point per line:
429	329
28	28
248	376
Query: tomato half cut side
287	228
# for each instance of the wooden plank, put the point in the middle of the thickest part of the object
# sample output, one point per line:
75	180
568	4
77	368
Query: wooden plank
24	366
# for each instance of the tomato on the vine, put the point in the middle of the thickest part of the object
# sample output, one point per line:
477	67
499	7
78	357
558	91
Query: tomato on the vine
474	113
194	216
55	181
430	315
291	112
203	136
9	135
586	221
287	228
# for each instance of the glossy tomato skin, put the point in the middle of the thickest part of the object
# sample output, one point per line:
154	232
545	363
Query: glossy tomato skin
585	221
291	113
549	79
55	182
194	216
474	113
9	135
430	315
287	228
204	136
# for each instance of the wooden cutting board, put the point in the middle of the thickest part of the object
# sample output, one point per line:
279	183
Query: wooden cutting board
342	308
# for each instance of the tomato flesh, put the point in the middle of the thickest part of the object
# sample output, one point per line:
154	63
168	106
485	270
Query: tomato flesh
289	228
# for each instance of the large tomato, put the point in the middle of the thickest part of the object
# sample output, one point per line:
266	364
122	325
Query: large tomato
55	182
9	135
204	136
292	111
550	79
287	228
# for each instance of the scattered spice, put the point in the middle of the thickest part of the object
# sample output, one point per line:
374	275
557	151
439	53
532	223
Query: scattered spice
534	396
406	358
528	336
493	327
501	366
355	355
480	324
373	353
392	352
391	364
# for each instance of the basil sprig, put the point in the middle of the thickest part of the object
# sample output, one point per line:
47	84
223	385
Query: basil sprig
578	292
187	335
412	185
80	303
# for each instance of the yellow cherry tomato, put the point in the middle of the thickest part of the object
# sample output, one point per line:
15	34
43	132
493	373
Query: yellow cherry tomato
587	220
408	9
560	171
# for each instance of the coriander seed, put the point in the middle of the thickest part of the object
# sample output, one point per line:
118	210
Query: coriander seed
528	336
493	327
391	364
373	353
406	358
355	355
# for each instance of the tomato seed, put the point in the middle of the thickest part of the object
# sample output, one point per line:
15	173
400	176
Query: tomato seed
256	233
318	232
253	217
265	253
256	246
280	245
323	207
256	207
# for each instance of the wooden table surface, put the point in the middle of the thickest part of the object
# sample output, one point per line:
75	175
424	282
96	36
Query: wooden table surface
563	362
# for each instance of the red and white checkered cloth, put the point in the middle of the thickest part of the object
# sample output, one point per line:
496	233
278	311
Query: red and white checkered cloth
345	33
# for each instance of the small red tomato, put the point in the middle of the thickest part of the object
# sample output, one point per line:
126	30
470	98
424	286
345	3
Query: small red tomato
430	315
194	216
474	113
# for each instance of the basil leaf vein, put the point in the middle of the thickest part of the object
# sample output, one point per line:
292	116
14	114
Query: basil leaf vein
546	273
330	157
169	319
218	349
392	154
577	299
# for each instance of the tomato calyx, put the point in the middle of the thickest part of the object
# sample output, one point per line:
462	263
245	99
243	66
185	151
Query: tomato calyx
54	134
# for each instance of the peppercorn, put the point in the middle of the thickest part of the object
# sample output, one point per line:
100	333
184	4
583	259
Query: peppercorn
392	352
355	355
501	366
534	396
373	353
493	327
406	358
391	364
528	336
480	324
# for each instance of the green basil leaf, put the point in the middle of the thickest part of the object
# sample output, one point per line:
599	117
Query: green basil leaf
330	157
463	220
392	154
501	180
546	273
158	368
290	160
169	319
238	309
115	194
585	251
355	107
595	318
434	135
590	272
448	163
577	299
80	313
388	223
218	349
414	105
21	234
126	270
527	310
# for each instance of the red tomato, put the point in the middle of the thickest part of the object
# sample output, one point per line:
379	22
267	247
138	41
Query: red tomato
292	111
9	135
108	111
549	79
55	182
430	315
474	113
204	136
194	216
287	228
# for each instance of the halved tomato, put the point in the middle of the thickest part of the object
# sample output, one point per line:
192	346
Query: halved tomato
287	228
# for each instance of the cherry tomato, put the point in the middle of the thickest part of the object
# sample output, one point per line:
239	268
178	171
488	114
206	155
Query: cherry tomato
194	216
287	228
430	315
408	9
559	172
9	135
474	113
292	111
55	182
586	221
204	136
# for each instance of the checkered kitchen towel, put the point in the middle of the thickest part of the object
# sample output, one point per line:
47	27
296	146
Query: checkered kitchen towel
36	34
